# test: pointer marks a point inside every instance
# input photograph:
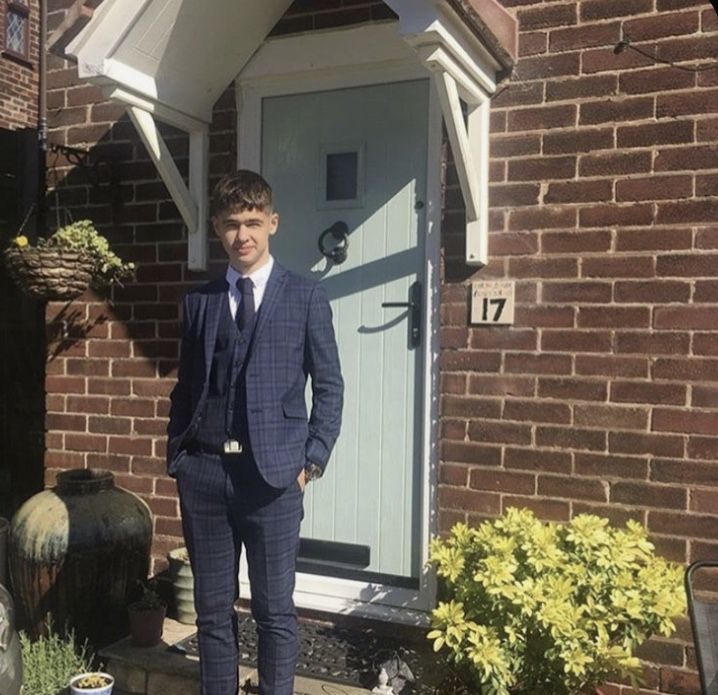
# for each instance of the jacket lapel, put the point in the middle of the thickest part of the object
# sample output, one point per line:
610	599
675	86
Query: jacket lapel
272	292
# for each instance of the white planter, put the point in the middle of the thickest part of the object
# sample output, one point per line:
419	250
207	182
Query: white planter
104	690
183	583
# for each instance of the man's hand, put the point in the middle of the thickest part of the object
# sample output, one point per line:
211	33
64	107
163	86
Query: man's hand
302	479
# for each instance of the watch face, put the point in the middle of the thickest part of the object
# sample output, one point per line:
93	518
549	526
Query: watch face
313	471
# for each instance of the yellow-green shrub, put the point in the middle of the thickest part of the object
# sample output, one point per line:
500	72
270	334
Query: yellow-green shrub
549	609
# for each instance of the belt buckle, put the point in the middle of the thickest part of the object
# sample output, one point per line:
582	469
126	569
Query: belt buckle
232	446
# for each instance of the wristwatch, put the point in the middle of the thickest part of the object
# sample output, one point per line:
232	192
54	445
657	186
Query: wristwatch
312	472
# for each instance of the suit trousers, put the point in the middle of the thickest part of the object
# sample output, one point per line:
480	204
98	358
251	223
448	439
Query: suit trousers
225	504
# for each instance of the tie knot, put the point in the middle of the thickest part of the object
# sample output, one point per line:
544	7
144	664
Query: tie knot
245	286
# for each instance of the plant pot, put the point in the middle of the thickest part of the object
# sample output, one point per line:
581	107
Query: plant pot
48	274
100	690
146	625
183	585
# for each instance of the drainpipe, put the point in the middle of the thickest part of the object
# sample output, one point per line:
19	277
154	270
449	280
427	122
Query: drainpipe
42	125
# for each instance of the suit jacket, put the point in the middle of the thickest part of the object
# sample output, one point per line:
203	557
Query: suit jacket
293	339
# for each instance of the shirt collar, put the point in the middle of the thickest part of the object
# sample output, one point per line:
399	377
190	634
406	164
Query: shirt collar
259	277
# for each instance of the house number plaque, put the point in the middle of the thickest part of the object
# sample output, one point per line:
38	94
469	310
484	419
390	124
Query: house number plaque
492	302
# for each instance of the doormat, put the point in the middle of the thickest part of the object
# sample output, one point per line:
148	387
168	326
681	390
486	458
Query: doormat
339	655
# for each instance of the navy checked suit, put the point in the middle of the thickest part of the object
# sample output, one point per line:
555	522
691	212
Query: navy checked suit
253	499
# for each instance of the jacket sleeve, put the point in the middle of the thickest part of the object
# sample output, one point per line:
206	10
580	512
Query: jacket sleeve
180	398
321	362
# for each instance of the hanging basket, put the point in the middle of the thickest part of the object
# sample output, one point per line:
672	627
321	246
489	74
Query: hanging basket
48	274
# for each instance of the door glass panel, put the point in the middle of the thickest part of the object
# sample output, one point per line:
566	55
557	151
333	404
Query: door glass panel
342	176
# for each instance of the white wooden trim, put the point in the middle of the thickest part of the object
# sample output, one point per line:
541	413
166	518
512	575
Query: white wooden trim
160	155
278	73
197	251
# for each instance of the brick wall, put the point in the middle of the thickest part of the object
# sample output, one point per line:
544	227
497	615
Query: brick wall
600	397
18	79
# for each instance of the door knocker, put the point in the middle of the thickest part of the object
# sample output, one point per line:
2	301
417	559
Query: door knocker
340	232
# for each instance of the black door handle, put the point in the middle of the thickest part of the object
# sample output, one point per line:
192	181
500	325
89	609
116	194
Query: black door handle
414	306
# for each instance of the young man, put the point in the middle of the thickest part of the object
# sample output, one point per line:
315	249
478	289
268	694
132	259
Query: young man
239	442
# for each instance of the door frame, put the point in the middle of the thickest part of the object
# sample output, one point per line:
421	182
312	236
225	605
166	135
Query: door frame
328	60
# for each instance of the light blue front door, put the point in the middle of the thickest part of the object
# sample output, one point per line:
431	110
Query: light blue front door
357	157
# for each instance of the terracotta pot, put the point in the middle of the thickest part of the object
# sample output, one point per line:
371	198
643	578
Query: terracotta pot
76	552
146	625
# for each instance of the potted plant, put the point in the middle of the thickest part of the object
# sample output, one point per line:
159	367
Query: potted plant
183	584
51	660
147	615
93	682
62	266
537	608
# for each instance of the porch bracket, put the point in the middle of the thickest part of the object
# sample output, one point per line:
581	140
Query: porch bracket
191	200
469	137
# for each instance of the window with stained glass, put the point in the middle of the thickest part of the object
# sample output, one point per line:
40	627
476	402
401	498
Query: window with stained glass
17	28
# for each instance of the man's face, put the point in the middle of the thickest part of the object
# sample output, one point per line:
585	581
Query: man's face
245	236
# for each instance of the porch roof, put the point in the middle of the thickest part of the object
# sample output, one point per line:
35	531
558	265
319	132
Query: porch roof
170	60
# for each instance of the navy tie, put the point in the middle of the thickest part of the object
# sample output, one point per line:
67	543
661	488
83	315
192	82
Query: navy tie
245	312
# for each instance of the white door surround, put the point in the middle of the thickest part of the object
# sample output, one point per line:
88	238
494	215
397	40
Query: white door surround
361	56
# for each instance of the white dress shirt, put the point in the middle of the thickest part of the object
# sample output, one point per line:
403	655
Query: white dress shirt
259	279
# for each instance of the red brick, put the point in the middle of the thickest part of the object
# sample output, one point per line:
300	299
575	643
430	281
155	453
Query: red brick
532	43
683	472
687	265
543	267
547	363
704	501
471	407
469	500
613	110
652	292
573	389
579	192
681	104
549	16
638	443
572	488
453	383
682	524
581	87
707	186
571	438
453	338
499	432
537	411
496	480
148	466
132	446
576	341
550	66
603	59
518	94
656	79
704	396
544	316
542	218
537	460
85	442
703	448
695	369
611	365
649	134
686	317
501	385
510	195
576	242
540	168
647	495
608	9
687	158
576	141
581	292
613	317
661	343
515	145
88	404
669	239
469	452
113	387
133	407
705	344
109	425
654	188
550	510
470	360
453	475
614	163
687	211
661	25
615	215
641	392
66	422
611	466
504	338
585	37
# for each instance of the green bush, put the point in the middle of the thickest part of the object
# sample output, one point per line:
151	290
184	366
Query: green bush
550	609
50	661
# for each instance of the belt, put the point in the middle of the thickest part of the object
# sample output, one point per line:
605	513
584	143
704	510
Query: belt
195	448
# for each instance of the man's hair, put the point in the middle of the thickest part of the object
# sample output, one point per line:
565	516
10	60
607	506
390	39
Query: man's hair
242	190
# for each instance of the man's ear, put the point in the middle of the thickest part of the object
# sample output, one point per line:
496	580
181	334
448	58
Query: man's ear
274	221
216	225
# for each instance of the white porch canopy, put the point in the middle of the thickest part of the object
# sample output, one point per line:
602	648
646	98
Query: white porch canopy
170	60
